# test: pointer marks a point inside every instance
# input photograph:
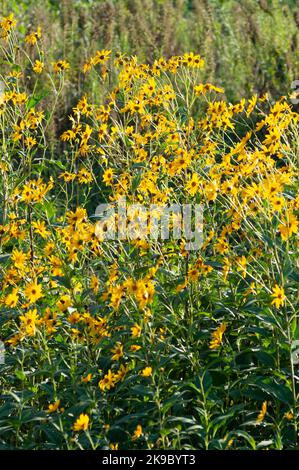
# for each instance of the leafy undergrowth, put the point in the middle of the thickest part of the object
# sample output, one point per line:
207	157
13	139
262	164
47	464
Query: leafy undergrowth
141	342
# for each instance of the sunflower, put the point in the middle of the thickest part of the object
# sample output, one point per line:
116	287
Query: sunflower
81	423
108	176
33	292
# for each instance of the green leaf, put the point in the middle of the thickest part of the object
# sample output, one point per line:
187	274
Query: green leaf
20	375
245	435
5	257
34	100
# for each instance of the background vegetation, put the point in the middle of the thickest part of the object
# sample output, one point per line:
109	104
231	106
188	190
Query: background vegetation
249	46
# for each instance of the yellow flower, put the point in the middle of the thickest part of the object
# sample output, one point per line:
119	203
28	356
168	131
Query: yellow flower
217	336
193	184
251	105
203	88
262	413
192	60
241	265
277	203
53	406
60	66
147	371
137	433
108	381
135	347
33	37
108	176
94	284
67	176
64	303
113	446
29	321
193	274
38	66
121	373
84	176
30	142
33	292
40	228
12	299
81	423
117	351
289	415
100	58
6	24
136	330
19	258
182	286
230	443
210	191
102	132
87	378
288	227
278	296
